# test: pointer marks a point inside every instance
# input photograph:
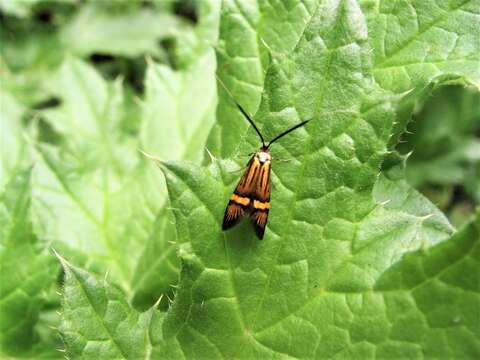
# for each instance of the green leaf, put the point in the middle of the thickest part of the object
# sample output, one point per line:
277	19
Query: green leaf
98	322
244	295
95	198
94	30
27	272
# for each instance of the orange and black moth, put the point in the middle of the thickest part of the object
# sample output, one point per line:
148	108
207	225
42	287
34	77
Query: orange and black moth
252	193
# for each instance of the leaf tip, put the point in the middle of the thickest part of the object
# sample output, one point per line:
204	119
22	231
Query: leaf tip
212	158
151	157
62	260
383	203
426	217
148	60
157	303
105	278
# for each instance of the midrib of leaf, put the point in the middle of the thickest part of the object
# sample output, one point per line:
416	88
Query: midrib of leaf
97	315
388	57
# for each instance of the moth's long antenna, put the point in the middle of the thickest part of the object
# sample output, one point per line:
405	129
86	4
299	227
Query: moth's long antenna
286	132
241	110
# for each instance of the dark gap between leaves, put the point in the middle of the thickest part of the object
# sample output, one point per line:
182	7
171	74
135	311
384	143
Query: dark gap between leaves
48	103
459	196
186	9
169	44
132	70
47	134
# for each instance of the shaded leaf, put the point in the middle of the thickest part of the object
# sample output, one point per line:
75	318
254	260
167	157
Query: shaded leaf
27	273
95	197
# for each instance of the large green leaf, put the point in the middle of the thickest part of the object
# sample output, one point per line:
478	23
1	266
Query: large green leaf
244	295
27	272
95	196
335	229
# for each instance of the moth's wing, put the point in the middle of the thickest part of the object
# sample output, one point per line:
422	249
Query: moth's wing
240	201
259	221
233	214
261	200
263	184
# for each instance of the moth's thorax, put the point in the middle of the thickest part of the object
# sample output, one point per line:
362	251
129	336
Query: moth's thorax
263	156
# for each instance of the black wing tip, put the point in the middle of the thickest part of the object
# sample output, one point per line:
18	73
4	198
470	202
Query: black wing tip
259	231
226	225
229	222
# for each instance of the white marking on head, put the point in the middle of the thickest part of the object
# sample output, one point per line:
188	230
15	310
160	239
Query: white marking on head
263	156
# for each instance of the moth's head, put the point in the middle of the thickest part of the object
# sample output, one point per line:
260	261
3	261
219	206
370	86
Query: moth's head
263	155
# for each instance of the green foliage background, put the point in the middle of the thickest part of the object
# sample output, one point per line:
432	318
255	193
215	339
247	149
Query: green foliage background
372	248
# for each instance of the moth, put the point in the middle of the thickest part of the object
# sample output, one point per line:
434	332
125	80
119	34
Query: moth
252	193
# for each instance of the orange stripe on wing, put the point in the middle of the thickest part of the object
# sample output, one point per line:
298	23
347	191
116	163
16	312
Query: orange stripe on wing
242	200
259	205
262	189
